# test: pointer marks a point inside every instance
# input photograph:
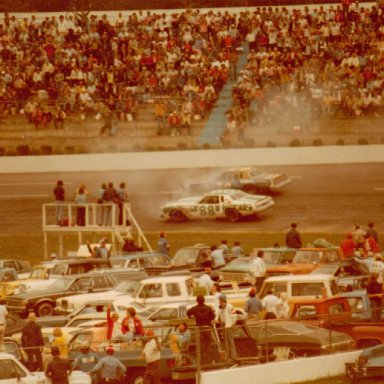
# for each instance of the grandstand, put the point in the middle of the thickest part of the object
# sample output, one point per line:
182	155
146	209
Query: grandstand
153	80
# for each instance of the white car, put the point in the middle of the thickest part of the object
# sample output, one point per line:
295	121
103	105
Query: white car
231	204
13	372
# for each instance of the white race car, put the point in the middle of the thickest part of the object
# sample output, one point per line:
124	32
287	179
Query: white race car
221	203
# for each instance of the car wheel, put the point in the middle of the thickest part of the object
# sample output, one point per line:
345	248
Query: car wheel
44	309
232	215
252	189
177	216
135	377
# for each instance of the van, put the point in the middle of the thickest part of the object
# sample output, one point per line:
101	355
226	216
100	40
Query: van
300	286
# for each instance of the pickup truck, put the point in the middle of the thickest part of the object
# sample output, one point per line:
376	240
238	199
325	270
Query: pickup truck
156	291
128	354
13	372
336	313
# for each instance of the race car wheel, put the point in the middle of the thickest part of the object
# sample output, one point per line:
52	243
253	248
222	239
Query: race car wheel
44	309
177	216
252	189
232	215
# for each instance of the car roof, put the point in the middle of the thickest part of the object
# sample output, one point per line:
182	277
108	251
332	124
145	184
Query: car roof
138	254
222	192
303	278
162	279
276	249
81	260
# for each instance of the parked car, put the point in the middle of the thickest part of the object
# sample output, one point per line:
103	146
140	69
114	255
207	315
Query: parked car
152	263
300	286
43	301
248	179
127	286
308	259
369	365
238	269
349	273
229	204
22	267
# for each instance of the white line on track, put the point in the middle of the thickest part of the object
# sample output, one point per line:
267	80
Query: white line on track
21	196
35	183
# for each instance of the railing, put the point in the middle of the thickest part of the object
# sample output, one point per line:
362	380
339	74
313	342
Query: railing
95	215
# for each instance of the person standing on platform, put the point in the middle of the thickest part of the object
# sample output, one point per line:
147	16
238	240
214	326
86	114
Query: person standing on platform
59	194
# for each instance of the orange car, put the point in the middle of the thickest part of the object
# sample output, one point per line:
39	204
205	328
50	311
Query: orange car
308	259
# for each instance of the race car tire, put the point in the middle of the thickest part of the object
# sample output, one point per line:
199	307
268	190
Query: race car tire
232	215
177	216
44	309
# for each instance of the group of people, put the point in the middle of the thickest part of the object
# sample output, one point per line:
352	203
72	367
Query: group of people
361	242
106	196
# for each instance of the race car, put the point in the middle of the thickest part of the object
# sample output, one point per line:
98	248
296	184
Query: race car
231	204
248	179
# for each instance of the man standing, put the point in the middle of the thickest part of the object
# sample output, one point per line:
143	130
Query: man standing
269	304
32	341
59	194
162	244
110	368
58	369
3	323
257	268
102	252
226	319
253	305
122	199
372	232
151	355
86	360
217	257
204	316
375	294
109	198
293	238
205	281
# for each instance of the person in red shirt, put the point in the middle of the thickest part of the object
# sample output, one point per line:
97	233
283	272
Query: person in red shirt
131	325
348	246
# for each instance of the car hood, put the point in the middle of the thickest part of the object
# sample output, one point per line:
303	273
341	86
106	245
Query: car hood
293	268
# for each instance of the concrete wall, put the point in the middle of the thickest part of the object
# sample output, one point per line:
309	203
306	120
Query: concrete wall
285	372
194	159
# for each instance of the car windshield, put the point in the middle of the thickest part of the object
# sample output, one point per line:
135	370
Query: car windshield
60	284
59	270
38	273
156	260
120	277
271	257
185	256
127	286
238	195
238	262
307	257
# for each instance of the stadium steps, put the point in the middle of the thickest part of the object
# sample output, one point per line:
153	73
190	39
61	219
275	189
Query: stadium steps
217	121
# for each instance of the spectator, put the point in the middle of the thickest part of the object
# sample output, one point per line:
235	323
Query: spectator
81	201
293	238
86	360
59	194
269	305
348	246
114	329
257	269
59	117
32	342
162	244
179	342
109	198
102	252
237	250
225	248
375	294
122	198
378	268
59	368
359	237
217	257
131	325
129	246
372	232
370	246
252	305
151	355
60	342
282	307
204	316
205	281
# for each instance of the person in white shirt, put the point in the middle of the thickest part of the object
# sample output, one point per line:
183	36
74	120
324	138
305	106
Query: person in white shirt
226	318
257	268
151	355
217	257
282	307
3	320
269	305
205	281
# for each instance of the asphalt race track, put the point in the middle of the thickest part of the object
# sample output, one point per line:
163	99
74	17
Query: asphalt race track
321	198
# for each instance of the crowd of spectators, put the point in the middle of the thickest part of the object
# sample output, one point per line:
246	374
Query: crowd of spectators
101	67
320	62
305	64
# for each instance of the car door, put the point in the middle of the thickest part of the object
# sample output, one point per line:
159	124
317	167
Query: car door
208	207
12	373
